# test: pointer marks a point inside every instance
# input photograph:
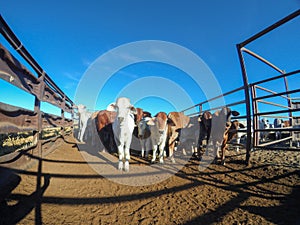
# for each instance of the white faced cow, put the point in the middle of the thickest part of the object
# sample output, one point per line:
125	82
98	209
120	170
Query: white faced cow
144	134
263	124
84	116
158	128
123	126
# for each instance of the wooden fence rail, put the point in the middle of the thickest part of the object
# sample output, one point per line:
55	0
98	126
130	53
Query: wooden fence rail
16	119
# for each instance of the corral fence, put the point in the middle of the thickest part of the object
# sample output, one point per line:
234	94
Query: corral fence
260	100
24	122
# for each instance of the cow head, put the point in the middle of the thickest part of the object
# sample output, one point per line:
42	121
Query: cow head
178	119
160	120
81	108
123	109
265	123
143	126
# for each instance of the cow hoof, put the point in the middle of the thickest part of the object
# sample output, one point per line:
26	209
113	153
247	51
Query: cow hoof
173	160
120	166
161	161
223	163
126	166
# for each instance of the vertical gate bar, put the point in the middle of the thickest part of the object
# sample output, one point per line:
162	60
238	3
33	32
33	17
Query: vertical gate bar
37	109
255	117
62	115
289	101
247	99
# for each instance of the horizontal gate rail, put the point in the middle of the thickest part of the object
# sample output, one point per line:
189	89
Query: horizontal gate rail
15	119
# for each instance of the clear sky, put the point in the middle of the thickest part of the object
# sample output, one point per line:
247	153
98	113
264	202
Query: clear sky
67	37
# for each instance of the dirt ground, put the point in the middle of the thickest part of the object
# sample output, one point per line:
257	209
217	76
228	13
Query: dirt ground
63	189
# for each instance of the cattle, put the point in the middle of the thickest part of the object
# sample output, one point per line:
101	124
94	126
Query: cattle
144	135
241	134
204	132
278	123
104	121
158	128
263	124
141	131
219	129
123	126
84	116
188	136
91	133
177	121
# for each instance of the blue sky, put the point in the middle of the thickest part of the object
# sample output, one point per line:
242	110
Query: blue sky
67	37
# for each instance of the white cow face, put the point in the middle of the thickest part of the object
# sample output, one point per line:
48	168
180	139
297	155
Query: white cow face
160	121
81	108
123	109
265	123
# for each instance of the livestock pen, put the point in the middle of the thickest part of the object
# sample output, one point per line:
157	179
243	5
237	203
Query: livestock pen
62	188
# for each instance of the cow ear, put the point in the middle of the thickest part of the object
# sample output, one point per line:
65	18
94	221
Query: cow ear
111	107
150	122
235	113
241	125
170	122
190	125
133	110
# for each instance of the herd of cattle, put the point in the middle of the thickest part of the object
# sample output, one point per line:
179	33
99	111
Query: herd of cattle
116	126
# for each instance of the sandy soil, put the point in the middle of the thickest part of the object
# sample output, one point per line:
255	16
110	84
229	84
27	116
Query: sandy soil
63	189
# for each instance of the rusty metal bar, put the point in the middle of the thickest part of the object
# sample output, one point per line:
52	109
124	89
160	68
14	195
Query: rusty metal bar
248	103
272	92
19	47
276	95
262	59
214	98
276	77
276	112
270	28
274	104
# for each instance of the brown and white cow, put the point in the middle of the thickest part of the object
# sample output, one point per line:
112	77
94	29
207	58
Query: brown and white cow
177	121
104	121
219	129
158	128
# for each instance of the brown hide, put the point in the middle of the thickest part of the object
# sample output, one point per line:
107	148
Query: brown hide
104	122
161	119
177	121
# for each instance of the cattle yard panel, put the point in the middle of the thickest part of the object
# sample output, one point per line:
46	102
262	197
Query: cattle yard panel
250	99
254	100
15	119
240	104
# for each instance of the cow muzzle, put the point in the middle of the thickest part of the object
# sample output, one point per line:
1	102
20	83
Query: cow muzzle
161	132
120	119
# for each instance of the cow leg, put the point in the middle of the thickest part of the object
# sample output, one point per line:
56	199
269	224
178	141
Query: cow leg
121	156
154	153
127	155
161	154
82	132
142	147
223	150
199	149
171	152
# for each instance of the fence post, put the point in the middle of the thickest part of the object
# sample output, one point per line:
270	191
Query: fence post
247	99
62	115
37	109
